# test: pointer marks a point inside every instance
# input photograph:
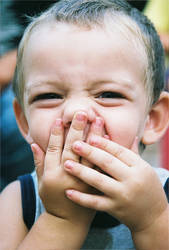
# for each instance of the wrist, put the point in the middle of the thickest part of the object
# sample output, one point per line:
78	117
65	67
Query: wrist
78	224
51	232
71	231
154	236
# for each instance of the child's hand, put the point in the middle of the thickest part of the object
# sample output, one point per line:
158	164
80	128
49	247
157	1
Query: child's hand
52	178
130	189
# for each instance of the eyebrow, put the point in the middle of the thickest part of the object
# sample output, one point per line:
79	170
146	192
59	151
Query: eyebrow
94	84
122	82
29	86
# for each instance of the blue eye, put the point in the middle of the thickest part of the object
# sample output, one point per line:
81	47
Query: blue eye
47	96
109	94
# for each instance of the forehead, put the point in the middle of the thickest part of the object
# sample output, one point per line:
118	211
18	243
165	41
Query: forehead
126	32
71	51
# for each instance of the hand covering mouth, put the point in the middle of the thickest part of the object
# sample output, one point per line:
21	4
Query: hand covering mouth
85	132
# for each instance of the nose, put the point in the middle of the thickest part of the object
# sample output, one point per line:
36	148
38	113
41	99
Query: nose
78	104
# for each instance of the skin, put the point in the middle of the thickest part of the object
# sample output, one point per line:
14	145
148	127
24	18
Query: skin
103	83
59	225
81	86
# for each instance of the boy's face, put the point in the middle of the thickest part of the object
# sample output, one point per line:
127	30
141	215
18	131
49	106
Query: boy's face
68	69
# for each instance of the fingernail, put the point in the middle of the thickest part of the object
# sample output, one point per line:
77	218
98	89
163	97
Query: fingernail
77	145
68	164
98	122
81	116
57	126
93	140
107	137
58	122
69	193
33	148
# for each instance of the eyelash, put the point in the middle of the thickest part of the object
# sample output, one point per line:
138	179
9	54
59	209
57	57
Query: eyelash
46	96
111	95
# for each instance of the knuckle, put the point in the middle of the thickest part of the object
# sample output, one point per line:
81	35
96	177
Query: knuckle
98	180
77	126
55	144
56	131
89	152
53	148
106	144
48	181
107	162
67	148
86	163
95	203
118	152
137	185
68	154
37	163
38	172
126	197
77	171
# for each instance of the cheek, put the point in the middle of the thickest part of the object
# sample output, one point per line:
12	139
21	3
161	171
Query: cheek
122	129
40	134
40	128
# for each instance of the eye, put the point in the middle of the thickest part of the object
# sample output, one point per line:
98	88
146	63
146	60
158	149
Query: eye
110	94
47	96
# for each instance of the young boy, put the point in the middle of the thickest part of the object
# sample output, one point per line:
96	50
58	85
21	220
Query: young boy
89	97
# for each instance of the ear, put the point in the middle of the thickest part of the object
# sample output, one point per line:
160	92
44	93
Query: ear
158	120
22	121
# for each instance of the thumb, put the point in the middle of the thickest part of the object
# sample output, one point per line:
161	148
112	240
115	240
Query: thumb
39	157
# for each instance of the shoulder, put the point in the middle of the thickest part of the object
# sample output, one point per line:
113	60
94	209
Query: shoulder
11	216
10	194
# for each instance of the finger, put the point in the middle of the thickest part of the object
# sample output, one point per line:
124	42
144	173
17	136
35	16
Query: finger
55	146
102	159
127	156
107	137
92	177
39	158
76	132
86	163
96	202
135	145
96	128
